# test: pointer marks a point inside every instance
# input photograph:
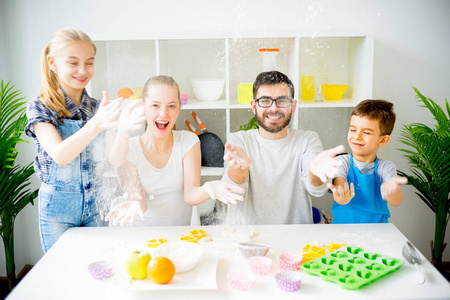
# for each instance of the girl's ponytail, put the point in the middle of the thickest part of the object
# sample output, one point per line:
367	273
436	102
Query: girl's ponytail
51	94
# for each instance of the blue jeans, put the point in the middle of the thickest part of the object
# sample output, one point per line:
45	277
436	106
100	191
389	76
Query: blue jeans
71	195
61	209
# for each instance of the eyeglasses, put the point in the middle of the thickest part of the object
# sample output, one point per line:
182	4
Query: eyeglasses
282	102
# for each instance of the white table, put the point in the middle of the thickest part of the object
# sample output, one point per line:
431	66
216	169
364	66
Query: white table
62	272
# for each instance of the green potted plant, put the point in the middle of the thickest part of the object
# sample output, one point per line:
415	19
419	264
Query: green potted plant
14	179
252	124
428	156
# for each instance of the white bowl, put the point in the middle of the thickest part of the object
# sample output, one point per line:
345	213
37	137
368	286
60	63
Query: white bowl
206	89
184	255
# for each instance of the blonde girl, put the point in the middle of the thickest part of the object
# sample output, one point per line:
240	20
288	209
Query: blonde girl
162	166
65	122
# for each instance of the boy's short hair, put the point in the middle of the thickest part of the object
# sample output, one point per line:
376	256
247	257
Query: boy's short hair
272	78
380	110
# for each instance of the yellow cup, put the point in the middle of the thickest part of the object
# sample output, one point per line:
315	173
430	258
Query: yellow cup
307	86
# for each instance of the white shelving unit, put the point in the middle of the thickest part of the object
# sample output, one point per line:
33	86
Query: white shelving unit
340	59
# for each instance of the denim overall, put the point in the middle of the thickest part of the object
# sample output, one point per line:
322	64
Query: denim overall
71	195
367	206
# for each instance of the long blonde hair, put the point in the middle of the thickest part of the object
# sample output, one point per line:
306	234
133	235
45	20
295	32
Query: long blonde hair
51	94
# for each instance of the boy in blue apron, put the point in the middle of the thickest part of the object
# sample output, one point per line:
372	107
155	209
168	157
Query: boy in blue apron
365	184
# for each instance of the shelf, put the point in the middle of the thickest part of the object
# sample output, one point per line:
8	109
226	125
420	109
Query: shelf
340	59
331	104
240	106
212	171
193	103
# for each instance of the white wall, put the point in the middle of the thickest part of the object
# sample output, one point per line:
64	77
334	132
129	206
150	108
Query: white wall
411	48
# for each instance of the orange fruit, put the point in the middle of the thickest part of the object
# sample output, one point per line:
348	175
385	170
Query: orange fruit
153	243
188	238
160	270
125	93
198	233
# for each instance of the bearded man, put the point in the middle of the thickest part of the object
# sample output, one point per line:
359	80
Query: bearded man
278	167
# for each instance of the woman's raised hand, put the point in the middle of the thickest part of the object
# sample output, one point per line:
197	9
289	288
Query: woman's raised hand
224	192
126	213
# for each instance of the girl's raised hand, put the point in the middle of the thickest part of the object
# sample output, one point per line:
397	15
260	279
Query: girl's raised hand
132	117
107	113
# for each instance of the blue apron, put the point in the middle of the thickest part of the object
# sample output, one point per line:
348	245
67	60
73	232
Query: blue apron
367	206
70	196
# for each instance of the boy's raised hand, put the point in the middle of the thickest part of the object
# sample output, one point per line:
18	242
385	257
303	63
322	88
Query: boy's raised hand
237	157
392	186
325	166
341	193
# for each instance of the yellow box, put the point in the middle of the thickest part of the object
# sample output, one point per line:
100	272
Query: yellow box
307	86
245	93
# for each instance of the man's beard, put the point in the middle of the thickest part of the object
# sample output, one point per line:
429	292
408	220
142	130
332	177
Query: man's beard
273	128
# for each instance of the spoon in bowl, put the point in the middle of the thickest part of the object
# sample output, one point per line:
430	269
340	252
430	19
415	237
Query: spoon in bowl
411	254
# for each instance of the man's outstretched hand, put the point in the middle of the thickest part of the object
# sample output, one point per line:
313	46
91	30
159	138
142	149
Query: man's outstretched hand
325	165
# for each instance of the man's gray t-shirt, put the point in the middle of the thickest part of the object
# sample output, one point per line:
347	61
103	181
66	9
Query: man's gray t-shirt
278	182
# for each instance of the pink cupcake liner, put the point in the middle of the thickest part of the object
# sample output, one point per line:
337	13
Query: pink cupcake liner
239	280
290	261
100	269
183	98
260	265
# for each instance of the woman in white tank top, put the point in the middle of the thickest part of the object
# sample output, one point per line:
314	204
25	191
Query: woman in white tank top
160	169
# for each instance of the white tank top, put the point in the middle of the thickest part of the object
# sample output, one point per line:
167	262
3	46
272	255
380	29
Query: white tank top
167	206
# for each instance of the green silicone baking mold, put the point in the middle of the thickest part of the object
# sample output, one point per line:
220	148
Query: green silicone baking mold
351	267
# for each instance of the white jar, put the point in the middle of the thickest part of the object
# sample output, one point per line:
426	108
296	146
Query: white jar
269	58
